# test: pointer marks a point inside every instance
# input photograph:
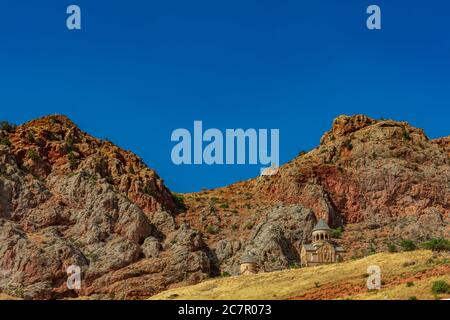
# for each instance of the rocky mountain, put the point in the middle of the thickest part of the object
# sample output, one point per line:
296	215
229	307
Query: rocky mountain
67	198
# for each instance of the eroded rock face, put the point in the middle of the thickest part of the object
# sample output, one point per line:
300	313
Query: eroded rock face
67	198
275	242
368	170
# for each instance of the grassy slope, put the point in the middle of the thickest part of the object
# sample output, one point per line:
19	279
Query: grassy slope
338	281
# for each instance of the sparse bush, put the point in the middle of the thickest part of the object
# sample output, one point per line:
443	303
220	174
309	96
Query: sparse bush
410	284
392	247
19	293
149	189
337	233
131	170
33	155
68	146
409	264
212	229
440	287
212	205
372	249
92	256
408	245
405	134
179	201
234	227
439	244
224	206
73	161
412	298
5	125
103	167
226	274
294	266
30	136
249	225
5	142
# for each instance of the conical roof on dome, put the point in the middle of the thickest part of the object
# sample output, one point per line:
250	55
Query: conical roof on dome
321	225
248	258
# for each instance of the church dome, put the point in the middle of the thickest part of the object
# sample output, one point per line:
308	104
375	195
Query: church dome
321	225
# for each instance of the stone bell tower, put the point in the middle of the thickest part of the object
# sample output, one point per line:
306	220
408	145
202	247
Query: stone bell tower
321	232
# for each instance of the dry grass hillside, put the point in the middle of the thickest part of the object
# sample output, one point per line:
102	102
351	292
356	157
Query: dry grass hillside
406	275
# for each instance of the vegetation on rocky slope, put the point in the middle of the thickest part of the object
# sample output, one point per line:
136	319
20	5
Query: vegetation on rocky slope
69	198
407	275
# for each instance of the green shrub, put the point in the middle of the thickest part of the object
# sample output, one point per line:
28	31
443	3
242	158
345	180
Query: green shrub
73	161
179	201
19	293
440	287
212	229
5	125
337	233
5	142
30	136
226	274
439	244
412	298
249	225
68	146
103	167
372	249
224	205
405	133
149	189
410	284
392	247
408	245
33	155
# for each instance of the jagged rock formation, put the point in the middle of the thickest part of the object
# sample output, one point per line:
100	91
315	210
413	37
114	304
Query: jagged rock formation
382	181
67	198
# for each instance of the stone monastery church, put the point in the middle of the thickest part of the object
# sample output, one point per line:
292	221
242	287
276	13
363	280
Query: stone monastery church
321	250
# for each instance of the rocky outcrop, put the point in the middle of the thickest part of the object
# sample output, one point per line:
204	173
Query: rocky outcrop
275	242
67	198
380	180
70	199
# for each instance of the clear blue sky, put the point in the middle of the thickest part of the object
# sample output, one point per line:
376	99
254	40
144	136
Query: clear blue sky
140	69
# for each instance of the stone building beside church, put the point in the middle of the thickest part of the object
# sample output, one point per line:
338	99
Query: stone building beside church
322	250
